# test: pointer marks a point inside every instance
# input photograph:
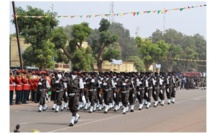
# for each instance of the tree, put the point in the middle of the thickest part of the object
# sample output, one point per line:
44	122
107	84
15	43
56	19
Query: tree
182	47
85	56
126	42
78	56
112	52
80	33
59	56
27	57
44	54
68	31
102	40
60	38
167	63
200	43
37	32
138	63
151	53
156	36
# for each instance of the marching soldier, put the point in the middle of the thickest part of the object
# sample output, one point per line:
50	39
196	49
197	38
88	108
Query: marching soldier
53	90
155	89
58	90
65	95
162	85
175	81
86	81
73	91
106	87
100	91
132	92
124	92
93	84
116	92
148	89
169	87
42	88
140	90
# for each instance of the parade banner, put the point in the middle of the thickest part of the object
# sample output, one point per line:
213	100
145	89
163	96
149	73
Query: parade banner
137	13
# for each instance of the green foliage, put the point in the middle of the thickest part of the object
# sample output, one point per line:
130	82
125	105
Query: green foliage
59	56
80	32
138	63
126	42
104	25
37	32
100	40
80	57
35	29
182	47
111	52
59	38
27	57
151	53
83	59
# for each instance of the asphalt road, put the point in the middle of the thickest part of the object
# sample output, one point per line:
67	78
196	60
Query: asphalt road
188	114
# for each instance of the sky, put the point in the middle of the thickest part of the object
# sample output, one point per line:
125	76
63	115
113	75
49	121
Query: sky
189	22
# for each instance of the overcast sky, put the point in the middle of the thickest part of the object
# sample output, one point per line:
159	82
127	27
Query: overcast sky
189	22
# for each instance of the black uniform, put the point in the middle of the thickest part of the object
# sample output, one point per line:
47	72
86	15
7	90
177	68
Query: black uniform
42	88
59	91
73	94
124	93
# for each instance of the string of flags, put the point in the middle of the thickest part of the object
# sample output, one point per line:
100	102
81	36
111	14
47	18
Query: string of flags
191	60
116	14
201	65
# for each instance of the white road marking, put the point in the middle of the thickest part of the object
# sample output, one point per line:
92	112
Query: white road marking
84	123
23	123
197	99
177	102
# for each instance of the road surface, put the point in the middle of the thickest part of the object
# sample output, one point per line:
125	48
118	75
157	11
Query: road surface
188	114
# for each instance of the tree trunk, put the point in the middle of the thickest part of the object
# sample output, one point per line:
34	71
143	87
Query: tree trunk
99	66
67	54
147	67
99	62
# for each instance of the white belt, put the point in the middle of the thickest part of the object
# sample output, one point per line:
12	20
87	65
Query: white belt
92	89
71	94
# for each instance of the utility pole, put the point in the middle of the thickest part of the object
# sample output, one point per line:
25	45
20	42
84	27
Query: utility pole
17	35
164	20
111	12
52	7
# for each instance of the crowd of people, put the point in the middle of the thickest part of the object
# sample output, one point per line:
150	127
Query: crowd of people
93	91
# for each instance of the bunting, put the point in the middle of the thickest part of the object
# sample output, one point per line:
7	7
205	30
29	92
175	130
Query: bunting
201	65
190	60
116	14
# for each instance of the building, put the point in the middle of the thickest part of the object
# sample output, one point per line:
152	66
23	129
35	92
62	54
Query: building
124	67
14	54
62	67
